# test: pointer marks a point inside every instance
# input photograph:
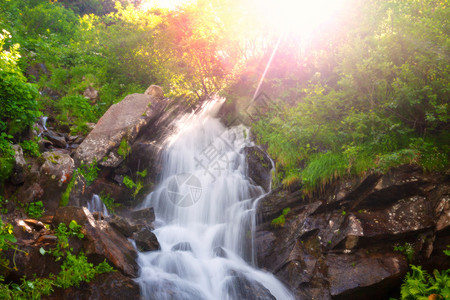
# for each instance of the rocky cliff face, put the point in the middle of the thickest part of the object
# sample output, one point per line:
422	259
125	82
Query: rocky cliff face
341	245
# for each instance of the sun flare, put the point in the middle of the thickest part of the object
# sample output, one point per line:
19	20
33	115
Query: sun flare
167	4
300	16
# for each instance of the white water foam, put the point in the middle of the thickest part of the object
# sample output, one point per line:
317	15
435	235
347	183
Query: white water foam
205	217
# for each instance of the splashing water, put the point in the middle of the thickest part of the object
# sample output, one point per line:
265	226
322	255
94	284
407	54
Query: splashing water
205	217
96	205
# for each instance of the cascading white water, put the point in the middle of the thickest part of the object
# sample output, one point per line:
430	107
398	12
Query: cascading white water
204	215
96	205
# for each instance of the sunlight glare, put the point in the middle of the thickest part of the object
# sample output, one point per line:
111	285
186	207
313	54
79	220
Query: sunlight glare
166	4
299	16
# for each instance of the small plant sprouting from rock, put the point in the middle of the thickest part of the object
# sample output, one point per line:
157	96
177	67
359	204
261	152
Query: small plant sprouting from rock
281	220
407	250
447	251
124	149
142	174
129	183
109	202
89	172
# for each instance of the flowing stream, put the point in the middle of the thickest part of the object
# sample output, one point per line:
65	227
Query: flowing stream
204	206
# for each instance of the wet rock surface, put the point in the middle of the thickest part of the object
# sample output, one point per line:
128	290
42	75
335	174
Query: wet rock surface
259	167
340	245
146	240
240	287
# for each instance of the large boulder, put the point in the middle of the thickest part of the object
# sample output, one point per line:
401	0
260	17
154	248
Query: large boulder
259	167
340	244
101	241
58	166
122	121
364	275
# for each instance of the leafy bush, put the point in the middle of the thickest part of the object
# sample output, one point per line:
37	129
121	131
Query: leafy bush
6	156
35	210
76	108
6	241
31	148
18	106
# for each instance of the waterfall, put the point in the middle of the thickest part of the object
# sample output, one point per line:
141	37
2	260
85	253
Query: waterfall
96	205
204	217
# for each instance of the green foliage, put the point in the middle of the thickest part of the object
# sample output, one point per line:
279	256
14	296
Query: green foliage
142	174
76	108
74	269
63	233
6	156
279	221
447	252
35	210
109	202
30	148
128	182
28	289
6	242
77	269
18	107
89	172
418	284
3	203
407	250
124	149
323	169
66	195
377	99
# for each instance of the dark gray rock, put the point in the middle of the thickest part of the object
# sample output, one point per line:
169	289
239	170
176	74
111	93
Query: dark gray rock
340	243
239	286
146	240
57	139
123	225
145	215
259	167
